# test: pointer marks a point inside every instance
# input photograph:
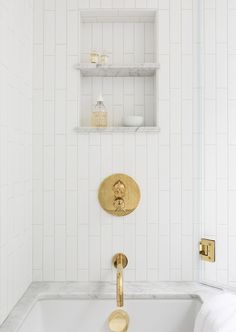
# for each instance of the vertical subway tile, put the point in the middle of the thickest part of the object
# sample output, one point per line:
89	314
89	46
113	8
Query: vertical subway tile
72	166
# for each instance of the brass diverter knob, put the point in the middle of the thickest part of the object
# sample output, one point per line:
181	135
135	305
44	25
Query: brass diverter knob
118	321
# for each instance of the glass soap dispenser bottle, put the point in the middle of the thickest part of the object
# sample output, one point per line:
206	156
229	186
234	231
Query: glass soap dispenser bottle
99	114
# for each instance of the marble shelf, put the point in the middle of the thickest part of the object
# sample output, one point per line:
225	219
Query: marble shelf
117	15
93	70
84	130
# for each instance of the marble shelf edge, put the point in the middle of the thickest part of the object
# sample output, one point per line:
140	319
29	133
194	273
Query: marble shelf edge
84	130
137	70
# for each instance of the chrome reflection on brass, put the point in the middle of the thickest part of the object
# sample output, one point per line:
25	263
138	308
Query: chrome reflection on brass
120	262
118	321
207	250
119	194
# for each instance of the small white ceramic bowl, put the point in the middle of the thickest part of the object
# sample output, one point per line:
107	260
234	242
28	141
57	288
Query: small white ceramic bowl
133	121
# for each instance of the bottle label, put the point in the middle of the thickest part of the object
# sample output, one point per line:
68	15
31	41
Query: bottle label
99	119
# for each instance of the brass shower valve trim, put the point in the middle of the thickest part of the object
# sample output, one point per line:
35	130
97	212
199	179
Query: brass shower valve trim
119	194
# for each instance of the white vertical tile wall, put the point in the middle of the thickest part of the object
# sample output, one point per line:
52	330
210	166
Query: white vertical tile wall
74	239
16	44
219	143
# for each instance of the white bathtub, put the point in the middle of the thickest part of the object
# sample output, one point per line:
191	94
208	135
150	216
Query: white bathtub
169	314
85	307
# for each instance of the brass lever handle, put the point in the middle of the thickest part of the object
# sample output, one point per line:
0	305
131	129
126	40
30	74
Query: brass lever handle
203	250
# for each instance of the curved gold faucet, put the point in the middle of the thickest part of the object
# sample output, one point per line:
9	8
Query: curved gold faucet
120	261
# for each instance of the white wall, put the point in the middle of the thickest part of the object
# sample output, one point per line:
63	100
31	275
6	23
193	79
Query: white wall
219	145
15	151
73	238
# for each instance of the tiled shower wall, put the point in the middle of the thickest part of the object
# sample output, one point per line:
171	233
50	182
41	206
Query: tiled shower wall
73	238
16	32
219	145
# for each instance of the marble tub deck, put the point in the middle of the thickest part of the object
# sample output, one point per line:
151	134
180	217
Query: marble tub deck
67	290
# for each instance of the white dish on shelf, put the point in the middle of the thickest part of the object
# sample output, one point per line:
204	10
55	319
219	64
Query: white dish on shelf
133	120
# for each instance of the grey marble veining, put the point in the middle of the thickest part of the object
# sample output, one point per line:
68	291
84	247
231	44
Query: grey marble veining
118	15
84	130
138	70
102	290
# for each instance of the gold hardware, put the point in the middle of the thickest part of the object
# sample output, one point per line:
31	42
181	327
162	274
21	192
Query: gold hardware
94	57
120	262
207	250
119	194
118	321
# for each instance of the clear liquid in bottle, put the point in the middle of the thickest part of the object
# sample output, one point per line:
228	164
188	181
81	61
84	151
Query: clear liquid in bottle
99	114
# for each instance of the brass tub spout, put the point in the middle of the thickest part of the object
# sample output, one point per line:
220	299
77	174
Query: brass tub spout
120	261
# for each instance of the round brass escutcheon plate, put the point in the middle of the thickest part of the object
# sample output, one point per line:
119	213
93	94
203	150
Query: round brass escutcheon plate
120	257
119	194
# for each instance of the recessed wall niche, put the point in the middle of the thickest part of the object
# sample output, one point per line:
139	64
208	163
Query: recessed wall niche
129	81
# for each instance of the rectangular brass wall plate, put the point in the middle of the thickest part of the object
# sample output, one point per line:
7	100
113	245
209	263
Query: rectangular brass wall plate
207	250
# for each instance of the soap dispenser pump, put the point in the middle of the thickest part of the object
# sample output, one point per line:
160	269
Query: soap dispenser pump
99	114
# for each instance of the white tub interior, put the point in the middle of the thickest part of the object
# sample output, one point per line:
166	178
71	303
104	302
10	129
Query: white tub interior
74	315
